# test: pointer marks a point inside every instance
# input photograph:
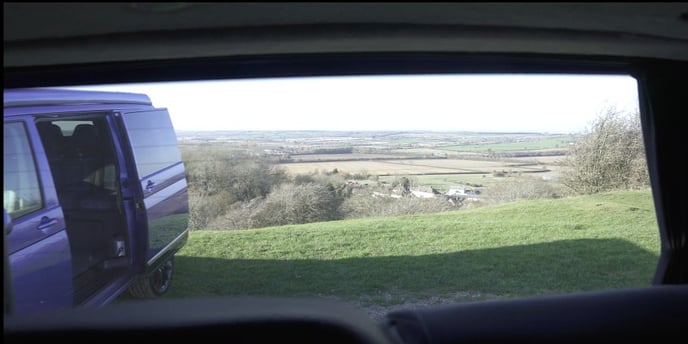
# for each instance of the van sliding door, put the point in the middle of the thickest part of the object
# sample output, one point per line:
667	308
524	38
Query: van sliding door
162	181
38	246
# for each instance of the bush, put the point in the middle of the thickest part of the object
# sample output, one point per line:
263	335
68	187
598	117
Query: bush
219	177
240	215
363	204
610	156
296	204
204	207
301	179
243	176
404	183
518	188
253	178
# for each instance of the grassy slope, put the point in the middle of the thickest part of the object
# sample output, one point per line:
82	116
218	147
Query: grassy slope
518	249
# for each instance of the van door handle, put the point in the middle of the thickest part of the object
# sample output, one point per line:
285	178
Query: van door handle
150	185
46	223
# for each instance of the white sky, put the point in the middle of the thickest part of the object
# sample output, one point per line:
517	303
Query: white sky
534	103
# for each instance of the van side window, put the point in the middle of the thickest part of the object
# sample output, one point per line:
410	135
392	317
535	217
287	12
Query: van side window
21	190
153	141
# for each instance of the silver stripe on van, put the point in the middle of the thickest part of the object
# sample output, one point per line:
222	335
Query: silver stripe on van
164	194
168	246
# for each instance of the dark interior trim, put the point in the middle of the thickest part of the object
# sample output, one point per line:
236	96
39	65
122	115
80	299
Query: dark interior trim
662	90
341	38
653	314
302	65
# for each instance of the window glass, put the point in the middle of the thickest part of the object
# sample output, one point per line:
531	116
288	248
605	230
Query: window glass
21	191
153	140
407	191
67	127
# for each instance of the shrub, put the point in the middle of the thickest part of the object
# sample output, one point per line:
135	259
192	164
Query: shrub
204	207
240	215
296	204
610	156
363	204
219	177
518	188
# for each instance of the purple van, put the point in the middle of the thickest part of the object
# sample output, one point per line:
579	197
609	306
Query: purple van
95	189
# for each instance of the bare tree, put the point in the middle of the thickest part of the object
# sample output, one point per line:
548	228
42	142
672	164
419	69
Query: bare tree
296	204
218	178
611	155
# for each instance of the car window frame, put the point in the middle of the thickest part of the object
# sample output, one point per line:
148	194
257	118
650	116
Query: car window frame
653	75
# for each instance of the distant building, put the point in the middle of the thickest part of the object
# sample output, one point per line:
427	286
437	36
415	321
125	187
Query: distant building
463	193
421	194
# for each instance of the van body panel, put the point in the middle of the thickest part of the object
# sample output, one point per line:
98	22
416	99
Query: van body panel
168	217
45	260
47	220
92	226
76	110
38	245
162	179
110	293
34	228
53	97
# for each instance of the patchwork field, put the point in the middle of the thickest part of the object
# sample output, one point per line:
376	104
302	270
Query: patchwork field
412	167
340	157
546	160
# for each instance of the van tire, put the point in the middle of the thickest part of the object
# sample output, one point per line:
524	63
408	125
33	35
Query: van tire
155	283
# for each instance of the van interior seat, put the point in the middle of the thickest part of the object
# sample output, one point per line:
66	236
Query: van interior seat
85	140
78	163
51	134
53	140
82	168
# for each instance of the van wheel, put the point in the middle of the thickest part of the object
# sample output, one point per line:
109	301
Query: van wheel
154	283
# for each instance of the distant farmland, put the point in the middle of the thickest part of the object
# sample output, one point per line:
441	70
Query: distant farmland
548	159
395	153
412	167
549	143
341	157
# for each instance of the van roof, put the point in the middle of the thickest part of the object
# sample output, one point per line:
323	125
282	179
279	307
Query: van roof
43	96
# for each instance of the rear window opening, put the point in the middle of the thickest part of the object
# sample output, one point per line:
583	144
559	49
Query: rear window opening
397	191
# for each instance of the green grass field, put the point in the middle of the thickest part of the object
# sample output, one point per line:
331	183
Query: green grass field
518	249
548	143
